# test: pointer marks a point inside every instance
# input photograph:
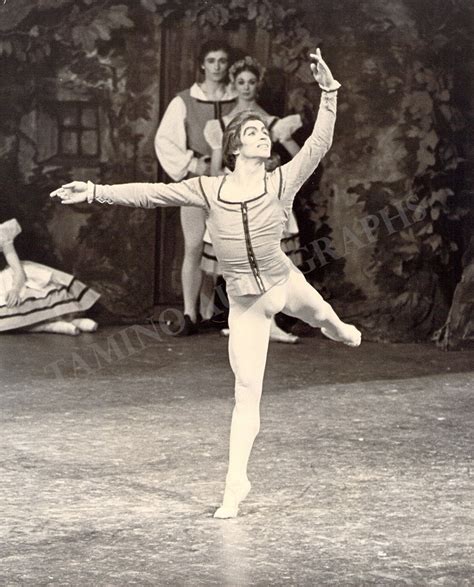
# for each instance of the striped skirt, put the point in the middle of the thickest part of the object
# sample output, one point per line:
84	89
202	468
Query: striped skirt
47	295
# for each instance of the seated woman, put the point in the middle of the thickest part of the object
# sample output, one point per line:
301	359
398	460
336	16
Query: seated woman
246	76
37	298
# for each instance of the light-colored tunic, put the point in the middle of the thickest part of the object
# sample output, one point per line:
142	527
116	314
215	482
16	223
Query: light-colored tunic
246	234
179	141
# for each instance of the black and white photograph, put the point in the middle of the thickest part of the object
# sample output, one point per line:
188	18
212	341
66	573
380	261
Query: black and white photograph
236	293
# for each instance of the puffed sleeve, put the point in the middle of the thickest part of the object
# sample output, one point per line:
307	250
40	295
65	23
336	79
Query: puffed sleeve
8	231
213	134
285	127
170	141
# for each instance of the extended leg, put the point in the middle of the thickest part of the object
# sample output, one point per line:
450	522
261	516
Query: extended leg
305	303
56	327
193	224
248	345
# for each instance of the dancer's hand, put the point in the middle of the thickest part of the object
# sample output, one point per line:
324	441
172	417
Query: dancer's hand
321	72
72	193
13	297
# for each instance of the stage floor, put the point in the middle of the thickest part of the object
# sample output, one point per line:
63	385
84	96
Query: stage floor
114	449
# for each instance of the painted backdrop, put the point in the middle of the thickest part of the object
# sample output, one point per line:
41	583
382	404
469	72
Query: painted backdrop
387	219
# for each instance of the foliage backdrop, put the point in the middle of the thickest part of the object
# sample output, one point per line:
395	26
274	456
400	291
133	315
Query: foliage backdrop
385	221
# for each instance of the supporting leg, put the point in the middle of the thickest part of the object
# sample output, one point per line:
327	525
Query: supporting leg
249	321
193	224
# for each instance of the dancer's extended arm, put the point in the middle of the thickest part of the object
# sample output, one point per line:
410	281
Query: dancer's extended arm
139	195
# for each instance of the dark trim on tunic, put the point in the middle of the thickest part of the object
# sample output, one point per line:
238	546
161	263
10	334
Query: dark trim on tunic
290	238
250	254
281	182
245	201
203	192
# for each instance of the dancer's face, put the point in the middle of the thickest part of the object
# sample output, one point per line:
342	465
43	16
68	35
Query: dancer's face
215	66
255	140
246	84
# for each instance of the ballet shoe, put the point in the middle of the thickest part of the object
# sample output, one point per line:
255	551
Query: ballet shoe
85	324
225	513
234	494
65	328
279	335
349	335
58	327
216	322
188	327
276	335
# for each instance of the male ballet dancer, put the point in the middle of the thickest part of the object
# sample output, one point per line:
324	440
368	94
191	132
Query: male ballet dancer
246	212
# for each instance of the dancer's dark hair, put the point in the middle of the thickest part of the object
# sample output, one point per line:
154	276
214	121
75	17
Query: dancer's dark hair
213	45
231	139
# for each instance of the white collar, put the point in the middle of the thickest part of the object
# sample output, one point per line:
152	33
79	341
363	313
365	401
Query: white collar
197	93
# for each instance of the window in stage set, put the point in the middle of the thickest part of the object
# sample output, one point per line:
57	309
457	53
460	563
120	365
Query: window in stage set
78	129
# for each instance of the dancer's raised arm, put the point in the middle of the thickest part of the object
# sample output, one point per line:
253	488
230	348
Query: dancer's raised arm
139	195
298	170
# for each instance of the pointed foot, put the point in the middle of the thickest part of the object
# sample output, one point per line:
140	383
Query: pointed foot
348	335
234	494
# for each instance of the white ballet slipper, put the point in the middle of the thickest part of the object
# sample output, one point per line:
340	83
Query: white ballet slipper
57	327
279	335
85	324
234	494
348	335
225	513
276	335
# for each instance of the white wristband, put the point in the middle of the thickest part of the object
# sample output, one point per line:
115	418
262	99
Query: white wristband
90	192
332	88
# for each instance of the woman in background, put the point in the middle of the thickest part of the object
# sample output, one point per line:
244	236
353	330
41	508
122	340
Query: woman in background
37	298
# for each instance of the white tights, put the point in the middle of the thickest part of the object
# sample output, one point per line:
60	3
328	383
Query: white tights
249	322
193	224
70	327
